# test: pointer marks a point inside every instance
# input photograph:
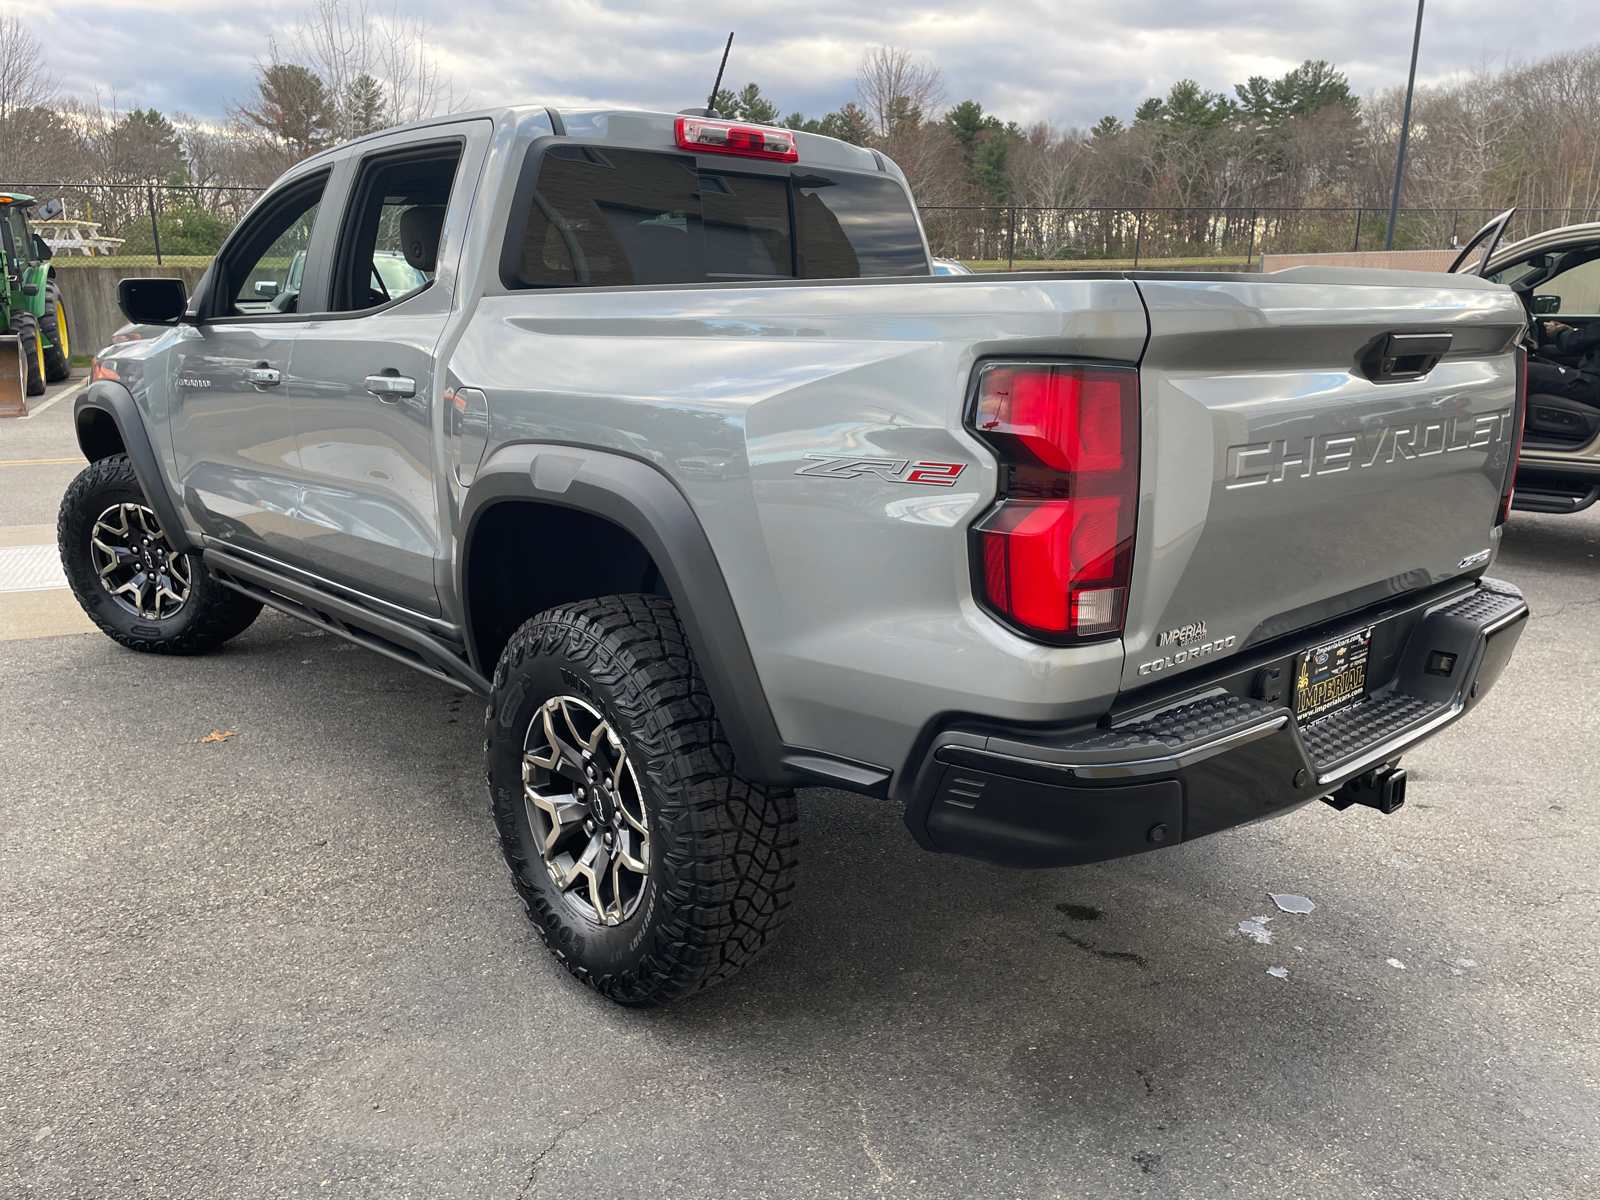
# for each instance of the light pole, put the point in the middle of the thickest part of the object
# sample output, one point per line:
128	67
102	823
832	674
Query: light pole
1405	131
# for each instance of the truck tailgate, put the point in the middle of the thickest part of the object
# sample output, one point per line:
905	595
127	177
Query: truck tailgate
1280	485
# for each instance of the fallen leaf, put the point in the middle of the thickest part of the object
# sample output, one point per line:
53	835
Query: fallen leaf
215	736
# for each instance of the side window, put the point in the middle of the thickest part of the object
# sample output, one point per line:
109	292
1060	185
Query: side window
7	237
390	244
23	235
1579	288
261	270
854	226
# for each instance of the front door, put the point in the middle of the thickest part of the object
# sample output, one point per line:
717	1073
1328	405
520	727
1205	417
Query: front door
366	405
237	461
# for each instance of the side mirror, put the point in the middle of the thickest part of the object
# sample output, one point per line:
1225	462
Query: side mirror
1543	306
152	301
266	287
50	210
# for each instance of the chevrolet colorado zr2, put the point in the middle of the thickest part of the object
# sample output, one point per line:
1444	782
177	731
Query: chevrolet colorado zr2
670	445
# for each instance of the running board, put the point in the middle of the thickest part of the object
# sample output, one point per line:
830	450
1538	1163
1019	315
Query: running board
1531	500
380	634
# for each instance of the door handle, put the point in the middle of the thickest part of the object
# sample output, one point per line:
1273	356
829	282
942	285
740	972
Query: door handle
264	376
390	388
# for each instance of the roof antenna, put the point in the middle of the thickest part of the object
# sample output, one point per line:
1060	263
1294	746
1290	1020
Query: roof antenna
711	102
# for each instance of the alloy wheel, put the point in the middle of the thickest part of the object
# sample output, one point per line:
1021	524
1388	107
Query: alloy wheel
136	564
586	809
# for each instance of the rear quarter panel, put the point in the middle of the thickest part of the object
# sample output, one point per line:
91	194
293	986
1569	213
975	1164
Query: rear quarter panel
854	590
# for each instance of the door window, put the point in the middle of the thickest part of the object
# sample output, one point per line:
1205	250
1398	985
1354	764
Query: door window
261	271
390	248
1578	287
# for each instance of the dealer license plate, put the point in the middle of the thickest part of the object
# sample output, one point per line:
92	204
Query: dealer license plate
1331	676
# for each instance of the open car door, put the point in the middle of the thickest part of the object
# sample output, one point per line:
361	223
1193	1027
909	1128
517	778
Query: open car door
1488	238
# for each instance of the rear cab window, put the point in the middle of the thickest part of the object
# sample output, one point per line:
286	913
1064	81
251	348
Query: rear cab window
599	216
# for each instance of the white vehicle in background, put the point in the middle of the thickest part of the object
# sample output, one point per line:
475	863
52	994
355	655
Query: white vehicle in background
949	266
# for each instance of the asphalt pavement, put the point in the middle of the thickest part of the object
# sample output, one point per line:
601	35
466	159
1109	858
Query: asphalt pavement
288	962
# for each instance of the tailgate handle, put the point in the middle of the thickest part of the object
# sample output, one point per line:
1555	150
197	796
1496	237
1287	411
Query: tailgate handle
1396	357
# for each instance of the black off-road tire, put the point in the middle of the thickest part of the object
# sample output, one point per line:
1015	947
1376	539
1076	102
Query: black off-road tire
57	353
25	326
209	615
721	850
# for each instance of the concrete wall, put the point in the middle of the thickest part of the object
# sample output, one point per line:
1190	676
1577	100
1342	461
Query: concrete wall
1389	260
89	292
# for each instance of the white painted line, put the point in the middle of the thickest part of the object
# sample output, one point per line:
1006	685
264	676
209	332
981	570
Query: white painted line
30	569
58	396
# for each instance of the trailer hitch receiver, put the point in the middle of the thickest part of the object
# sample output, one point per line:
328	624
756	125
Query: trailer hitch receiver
1383	788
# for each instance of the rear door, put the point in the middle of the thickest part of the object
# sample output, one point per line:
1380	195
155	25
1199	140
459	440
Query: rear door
367	413
1281	486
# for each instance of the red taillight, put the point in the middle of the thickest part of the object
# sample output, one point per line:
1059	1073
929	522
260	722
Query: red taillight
747	141
1057	549
1519	413
1067	418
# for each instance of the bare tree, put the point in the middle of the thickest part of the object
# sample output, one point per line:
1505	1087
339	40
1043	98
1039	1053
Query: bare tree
897	90
31	128
25	82
379	69
1047	165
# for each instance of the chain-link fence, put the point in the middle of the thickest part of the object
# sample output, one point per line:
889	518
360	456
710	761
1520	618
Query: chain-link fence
1210	239
137	224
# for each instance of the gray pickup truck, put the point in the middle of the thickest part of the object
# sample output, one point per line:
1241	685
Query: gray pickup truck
660	434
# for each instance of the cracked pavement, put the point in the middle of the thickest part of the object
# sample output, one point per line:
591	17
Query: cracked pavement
289	964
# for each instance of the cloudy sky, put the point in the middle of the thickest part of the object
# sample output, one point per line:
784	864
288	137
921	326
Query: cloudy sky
1071	61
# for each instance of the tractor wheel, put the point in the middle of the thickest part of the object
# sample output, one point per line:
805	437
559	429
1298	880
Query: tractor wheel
53	323
25	326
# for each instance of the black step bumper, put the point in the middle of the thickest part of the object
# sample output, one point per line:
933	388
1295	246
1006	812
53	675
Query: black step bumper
1219	757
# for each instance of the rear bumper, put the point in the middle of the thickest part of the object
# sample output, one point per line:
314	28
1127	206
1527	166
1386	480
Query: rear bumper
1229	753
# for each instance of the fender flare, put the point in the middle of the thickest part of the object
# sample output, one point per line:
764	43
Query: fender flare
645	503
117	403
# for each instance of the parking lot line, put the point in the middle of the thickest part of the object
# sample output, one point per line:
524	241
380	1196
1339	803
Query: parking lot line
41	462
61	395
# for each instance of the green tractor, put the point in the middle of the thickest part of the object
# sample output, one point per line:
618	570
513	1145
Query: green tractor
33	324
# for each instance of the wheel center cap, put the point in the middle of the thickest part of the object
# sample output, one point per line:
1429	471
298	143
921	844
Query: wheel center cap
599	802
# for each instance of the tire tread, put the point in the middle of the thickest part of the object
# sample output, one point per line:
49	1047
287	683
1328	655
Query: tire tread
221	613
731	868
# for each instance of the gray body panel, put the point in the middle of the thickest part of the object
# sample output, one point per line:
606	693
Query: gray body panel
788	415
854	592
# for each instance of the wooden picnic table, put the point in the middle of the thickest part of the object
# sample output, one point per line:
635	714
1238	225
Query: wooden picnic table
72	235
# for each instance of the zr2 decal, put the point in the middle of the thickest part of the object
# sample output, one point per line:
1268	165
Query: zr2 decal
890	470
